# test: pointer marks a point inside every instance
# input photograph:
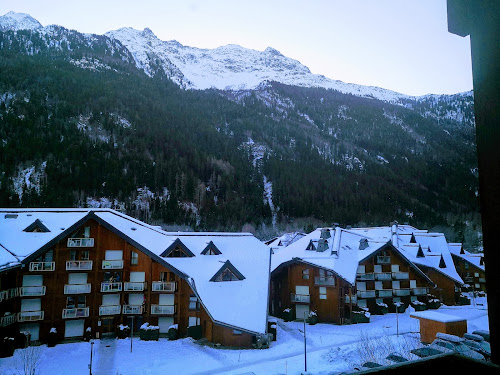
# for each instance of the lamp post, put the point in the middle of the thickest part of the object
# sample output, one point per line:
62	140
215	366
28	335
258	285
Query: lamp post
91	351
131	332
305	351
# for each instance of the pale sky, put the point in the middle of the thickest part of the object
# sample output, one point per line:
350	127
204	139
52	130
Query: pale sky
399	45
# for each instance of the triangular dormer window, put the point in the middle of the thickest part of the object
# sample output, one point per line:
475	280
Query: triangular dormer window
442	263
280	243
177	250
420	252
413	239
211	249
462	251
311	246
227	273
36	227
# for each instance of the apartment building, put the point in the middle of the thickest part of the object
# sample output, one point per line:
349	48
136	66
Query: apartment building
470	267
79	269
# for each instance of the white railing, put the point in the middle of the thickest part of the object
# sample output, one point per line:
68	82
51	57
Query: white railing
30	316
382	293
110	309
111	287
420	291
112	264
30	291
401	292
79	265
300	298
323	280
9	293
383	276
163	309
164	286
130	286
365	276
77	288
132	309
400	275
366	294
8	320
78	312
383	260
42	266
80	242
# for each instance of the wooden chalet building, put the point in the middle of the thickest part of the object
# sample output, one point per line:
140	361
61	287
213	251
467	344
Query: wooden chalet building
79	270
333	271
470	267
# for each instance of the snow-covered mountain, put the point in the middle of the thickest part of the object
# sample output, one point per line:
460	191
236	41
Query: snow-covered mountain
18	21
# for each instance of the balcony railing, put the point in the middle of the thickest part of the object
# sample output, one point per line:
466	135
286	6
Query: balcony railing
111	287
79	312
400	275
76	288
9	293
401	292
42	266
383	276
420	291
112	264
30	291
324	281
130	286
132	309
8	320
348	299
164	286
384	293
300	298
79	265
366	294
163	309
30	316
383	260
80	242
365	276
110	309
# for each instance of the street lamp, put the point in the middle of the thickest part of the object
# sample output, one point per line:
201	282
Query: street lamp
91	351
131	332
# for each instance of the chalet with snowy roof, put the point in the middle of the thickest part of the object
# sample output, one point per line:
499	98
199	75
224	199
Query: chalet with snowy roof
285	240
470	267
333	271
95	269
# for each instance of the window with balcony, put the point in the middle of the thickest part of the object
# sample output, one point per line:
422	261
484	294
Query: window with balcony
73	302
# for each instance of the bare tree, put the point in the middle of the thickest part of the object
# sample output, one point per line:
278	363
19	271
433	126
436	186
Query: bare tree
28	360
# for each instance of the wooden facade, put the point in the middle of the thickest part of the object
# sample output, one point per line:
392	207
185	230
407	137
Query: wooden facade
470	273
94	280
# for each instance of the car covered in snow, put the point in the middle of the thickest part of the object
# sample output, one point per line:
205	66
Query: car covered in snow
478	343
453	344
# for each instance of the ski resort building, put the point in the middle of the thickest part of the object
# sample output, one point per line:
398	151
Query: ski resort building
470	267
334	271
79	270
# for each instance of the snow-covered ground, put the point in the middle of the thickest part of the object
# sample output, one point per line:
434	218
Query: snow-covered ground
330	349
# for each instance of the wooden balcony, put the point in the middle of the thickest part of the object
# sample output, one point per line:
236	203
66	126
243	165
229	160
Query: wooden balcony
365	277
130	286
383	260
78	312
32	291
300	298
163	309
132	309
30	316
8	294
42	266
112	264
385	276
164	286
420	291
384	293
324	281
111	287
110	309
80	242
77	288
401	292
7	320
79	265
366	294
400	276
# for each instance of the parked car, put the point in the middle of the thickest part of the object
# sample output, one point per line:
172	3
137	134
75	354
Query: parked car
478	343
453	344
484	334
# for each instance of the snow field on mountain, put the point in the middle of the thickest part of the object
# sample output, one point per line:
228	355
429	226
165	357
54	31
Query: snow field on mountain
330	348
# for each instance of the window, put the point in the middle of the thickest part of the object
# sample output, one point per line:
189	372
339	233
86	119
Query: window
134	258
227	275
177	253
476	274
84	255
236	332
413	283
466	266
322	292
305	274
193	321
379	285
395	268
73	302
361	269
86	232
72	255
377	268
194	304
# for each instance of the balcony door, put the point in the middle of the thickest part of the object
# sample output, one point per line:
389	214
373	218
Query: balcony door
114	255
77	278
32	328
300	310
32	280
137	277
164	323
74	328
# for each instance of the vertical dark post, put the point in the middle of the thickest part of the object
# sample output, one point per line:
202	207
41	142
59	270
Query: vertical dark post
481	20
91	351
305	346
131	332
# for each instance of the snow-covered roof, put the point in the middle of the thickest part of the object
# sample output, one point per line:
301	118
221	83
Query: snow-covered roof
436	316
457	250
240	304
286	239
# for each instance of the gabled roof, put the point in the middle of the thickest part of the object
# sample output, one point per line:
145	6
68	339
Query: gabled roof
228	266
286	239
37	224
174	245
240	305
475	259
211	246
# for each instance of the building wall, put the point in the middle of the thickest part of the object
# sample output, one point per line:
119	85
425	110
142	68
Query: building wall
445	290
470	274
